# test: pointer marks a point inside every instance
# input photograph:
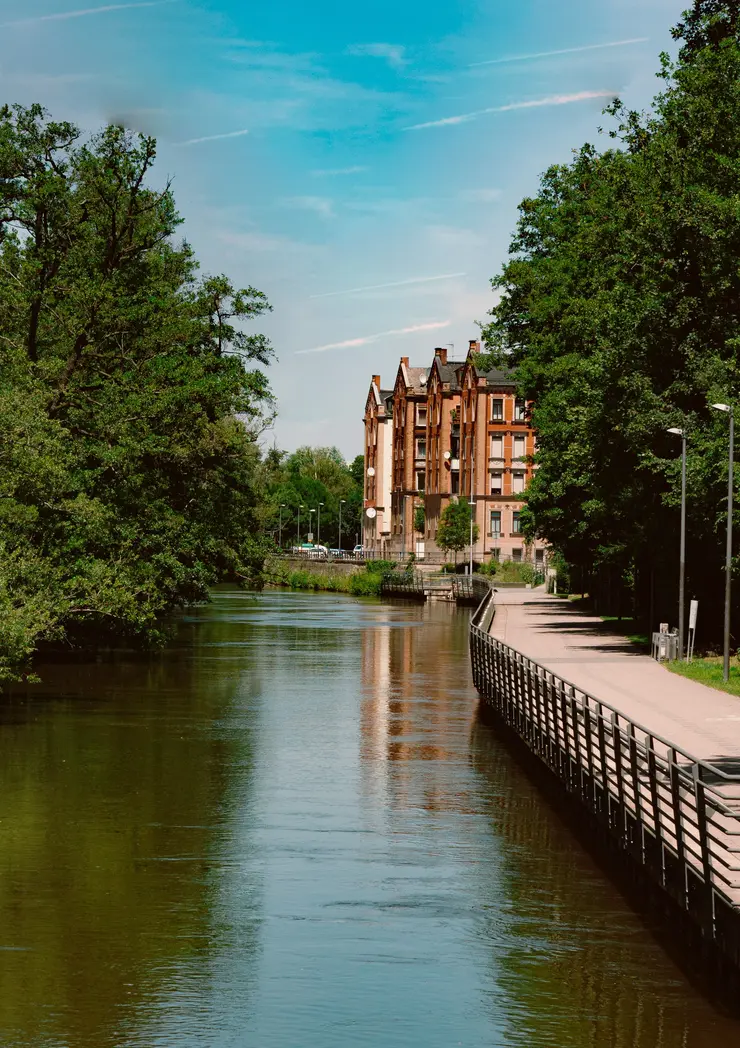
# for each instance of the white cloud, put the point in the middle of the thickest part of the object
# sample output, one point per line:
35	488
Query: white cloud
562	51
213	138
481	196
394	283
336	171
393	54
319	205
62	16
256	241
365	340
551	100
453	238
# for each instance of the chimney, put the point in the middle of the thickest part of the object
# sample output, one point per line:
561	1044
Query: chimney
441	352
405	360
473	346
376	381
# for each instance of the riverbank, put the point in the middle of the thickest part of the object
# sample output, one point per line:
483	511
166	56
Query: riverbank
361	581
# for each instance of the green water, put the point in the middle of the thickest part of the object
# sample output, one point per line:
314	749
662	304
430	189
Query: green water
290	831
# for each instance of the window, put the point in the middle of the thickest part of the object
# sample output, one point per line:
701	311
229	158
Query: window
495	523
539	556
520	410
517	486
497	410
455	483
497	448
420	479
421	449
520	448
421	414
516	523
496	482
517	553
496	553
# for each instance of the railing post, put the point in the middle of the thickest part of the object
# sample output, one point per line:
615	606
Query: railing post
701	821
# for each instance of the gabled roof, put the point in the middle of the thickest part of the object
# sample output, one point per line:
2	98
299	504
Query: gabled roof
448	372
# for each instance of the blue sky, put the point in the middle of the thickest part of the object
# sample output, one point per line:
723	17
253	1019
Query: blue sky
361	164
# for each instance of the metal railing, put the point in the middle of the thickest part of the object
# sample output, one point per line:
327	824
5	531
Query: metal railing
409	584
470	589
677	816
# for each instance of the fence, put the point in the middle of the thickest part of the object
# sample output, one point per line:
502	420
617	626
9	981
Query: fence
676	817
408	584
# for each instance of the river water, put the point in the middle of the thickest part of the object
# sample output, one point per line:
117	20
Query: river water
290	830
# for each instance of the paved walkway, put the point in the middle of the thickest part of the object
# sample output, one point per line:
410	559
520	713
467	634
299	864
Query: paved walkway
579	648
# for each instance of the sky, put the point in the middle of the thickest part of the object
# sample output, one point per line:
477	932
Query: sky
359	163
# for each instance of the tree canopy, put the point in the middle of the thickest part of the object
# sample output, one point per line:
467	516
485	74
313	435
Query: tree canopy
453	532
129	393
619	309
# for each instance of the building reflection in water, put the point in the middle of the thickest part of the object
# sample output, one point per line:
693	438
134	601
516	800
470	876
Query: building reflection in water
564	960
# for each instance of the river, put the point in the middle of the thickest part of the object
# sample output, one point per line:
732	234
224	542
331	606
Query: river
290	830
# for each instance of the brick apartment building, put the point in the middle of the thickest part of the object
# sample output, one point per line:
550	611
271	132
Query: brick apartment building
447	431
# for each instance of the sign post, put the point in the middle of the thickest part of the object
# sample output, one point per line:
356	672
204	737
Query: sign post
693	611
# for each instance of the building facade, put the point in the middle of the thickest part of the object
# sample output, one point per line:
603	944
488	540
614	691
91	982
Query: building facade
448	431
376	517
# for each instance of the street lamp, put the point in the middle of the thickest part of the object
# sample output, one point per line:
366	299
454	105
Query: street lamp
341	503
280	526
318	526
310	523
472	511
299	525
682	556
727	408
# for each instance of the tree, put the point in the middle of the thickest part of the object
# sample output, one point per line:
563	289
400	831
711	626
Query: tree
130	397
420	520
619	310
707	23
453	532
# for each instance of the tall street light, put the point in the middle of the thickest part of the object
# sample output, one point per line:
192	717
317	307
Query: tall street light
682	557
280	526
341	502
728	554
310	523
318	526
299	525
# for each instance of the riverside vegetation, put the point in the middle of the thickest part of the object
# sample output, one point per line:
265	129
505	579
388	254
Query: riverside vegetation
132	400
620	309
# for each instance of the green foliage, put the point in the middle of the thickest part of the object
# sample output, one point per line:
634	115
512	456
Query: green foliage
130	397
312	478
360	583
453	532
420	520
619	309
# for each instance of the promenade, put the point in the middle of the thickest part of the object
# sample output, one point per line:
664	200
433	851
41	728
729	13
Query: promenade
580	648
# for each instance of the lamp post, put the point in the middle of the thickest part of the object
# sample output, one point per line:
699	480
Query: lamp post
299	525
341	502
728	553
310	522
472	497
682	556
280	526
318	526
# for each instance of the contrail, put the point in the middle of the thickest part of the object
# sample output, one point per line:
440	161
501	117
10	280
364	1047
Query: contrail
563	51
552	100
366	339
61	16
395	283
212	138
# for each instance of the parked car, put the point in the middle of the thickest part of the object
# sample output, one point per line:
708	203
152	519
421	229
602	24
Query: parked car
359	551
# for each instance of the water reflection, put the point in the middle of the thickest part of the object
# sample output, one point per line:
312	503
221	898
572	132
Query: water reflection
291	831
